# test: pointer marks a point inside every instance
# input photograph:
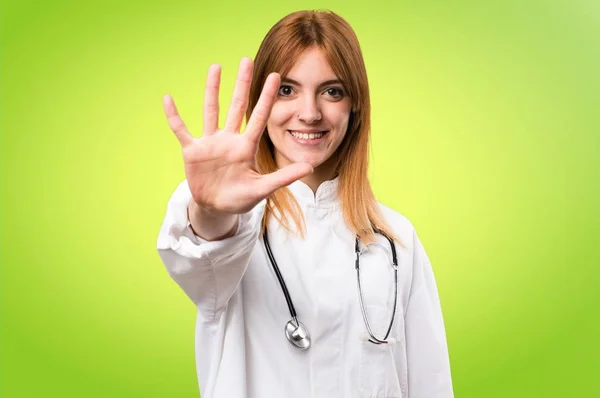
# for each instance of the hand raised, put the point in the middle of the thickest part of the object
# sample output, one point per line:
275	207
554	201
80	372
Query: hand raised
220	167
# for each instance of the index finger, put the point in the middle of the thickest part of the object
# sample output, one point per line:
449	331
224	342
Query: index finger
262	110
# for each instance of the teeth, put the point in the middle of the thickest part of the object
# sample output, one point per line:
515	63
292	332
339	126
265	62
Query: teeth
307	136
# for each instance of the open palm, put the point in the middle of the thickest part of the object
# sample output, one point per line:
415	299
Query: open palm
220	167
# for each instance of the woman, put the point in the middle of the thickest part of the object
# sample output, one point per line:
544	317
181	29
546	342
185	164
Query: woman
268	224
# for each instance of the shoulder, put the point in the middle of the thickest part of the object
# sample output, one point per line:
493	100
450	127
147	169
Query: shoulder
401	226
408	240
397	221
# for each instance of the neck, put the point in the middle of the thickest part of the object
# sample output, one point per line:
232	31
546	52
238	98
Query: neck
315	179
323	172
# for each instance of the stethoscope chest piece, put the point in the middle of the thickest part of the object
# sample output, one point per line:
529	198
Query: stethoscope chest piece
297	334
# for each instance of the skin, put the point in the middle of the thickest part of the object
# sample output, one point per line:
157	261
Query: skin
220	167
310	99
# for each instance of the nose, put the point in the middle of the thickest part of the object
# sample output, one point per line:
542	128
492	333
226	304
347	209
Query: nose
309	110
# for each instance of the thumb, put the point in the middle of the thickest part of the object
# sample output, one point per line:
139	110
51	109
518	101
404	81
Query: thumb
284	177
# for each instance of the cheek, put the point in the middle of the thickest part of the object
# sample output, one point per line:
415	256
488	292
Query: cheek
339	117
280	114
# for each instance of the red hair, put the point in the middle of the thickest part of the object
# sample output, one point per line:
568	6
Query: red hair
279	50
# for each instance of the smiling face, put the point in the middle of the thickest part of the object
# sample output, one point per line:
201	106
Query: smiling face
310	116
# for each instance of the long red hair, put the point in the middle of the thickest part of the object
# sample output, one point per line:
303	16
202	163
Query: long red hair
278	52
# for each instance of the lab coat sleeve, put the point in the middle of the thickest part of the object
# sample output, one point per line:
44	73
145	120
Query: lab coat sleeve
427	350
208	272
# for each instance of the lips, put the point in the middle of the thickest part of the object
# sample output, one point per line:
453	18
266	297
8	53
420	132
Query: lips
307	135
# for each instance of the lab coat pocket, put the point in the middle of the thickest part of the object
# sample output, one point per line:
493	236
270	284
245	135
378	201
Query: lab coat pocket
379	373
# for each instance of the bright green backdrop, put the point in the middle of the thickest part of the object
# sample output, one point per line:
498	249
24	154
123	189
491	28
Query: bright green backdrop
486	135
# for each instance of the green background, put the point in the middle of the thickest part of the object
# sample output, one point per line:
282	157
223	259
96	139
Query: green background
485	135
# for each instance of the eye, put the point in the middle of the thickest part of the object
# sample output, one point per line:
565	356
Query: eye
285	91
335	92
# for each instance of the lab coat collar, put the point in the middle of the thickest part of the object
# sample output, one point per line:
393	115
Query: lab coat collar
326	196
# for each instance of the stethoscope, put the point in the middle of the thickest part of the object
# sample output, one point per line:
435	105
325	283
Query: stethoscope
297	334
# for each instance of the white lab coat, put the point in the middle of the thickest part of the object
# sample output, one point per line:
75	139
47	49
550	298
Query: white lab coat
241	348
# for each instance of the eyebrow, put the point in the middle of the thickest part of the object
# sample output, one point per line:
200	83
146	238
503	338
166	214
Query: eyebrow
325	83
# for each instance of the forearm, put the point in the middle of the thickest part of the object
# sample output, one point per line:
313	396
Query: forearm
211	226
208	272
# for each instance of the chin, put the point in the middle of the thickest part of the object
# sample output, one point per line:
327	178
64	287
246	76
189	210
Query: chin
314	161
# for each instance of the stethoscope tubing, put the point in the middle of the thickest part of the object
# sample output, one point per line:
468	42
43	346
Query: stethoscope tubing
372	338
363	310
284	288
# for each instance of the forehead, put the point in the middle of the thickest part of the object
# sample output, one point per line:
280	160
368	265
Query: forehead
311	66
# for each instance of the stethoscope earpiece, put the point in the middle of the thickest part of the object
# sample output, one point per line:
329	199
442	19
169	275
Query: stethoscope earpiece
364	336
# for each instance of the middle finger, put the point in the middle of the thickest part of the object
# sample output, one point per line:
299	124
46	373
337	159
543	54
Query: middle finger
211	100
239	101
